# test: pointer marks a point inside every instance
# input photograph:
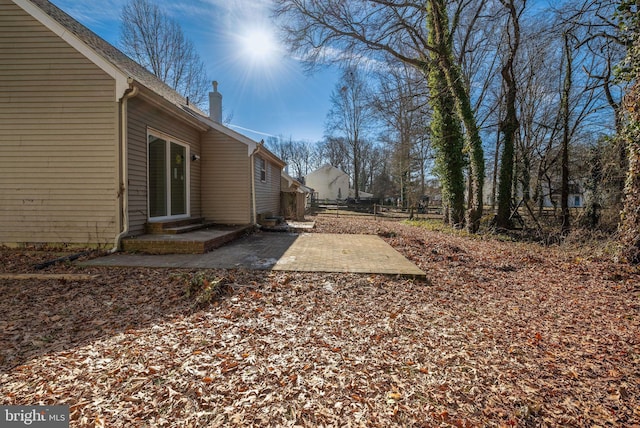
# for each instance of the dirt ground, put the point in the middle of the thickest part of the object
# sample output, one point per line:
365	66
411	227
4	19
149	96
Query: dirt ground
500	334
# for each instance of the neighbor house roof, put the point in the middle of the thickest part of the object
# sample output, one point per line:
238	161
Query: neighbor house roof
325	168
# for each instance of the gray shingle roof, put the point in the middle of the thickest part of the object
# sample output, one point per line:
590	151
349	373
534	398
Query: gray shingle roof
116	57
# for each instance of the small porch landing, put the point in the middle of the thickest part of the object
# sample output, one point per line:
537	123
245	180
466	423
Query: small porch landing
185	238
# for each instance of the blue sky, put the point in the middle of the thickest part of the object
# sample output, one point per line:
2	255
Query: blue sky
263	89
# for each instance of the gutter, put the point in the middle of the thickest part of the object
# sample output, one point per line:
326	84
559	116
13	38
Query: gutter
123	191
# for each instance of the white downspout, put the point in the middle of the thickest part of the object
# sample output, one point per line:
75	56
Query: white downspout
124	173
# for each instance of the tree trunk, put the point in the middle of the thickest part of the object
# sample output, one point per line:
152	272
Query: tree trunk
630	227
510	124
439	36
593	200
565	217
473	147
630	224
494	180
356	168
448	141
525	176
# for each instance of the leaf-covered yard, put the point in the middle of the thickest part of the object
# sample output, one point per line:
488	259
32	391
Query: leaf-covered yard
501	334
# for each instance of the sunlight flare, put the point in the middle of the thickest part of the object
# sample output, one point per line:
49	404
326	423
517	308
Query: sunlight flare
259	46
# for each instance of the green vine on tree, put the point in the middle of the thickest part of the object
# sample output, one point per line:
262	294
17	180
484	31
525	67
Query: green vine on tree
629	71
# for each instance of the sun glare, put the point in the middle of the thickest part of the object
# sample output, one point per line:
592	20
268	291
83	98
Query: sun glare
259	60
259	46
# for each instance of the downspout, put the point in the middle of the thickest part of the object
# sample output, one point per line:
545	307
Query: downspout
123	191
253	187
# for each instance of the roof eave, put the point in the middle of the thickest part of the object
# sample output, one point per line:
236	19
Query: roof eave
152	97
251	144
263	151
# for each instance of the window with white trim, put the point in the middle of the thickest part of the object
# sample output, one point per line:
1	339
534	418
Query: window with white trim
262	164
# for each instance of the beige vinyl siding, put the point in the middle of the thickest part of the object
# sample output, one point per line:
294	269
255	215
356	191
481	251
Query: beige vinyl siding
268	191
226	180
58	139
141	117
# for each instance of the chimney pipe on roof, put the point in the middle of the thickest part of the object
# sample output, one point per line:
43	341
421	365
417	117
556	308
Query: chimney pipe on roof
215	104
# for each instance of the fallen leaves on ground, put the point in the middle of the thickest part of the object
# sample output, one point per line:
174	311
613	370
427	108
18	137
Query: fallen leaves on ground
501	334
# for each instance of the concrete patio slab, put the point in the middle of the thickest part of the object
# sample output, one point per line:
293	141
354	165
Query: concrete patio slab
307	252
320	252
255	251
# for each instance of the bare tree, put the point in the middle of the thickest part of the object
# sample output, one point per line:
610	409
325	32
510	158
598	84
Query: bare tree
565	115
153	39
597	31
297	154
509	125
403	106
383	30
333	151
372	165
351	117
599	34
537	108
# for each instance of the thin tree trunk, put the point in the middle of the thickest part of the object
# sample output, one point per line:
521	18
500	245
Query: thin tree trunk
566	92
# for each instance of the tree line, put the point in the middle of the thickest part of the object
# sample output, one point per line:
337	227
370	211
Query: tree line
502	100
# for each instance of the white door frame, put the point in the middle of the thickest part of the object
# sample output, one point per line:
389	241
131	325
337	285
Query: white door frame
170	140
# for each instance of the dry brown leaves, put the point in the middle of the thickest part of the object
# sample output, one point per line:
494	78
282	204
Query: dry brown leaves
502	334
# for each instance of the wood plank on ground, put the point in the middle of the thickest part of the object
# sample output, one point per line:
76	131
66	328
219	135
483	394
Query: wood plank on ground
46	276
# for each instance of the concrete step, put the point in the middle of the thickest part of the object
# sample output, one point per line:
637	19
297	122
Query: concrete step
194	242
187	228
175	226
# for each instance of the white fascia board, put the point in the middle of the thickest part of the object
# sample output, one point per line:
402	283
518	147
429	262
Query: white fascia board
121	78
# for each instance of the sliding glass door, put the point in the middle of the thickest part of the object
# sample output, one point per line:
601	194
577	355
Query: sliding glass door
168	178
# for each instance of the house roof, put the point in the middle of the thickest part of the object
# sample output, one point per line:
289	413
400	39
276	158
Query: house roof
114	56
120	66
325	169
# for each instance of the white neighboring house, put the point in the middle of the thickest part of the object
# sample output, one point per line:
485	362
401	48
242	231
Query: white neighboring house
328	182
331	183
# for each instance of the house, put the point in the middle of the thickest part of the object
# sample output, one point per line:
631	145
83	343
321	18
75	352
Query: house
328	183
94	148
331	183
552	197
